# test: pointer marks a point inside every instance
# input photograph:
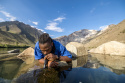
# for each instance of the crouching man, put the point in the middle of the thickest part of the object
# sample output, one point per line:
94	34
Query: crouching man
48	49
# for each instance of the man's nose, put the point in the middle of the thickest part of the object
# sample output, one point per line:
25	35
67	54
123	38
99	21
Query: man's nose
45	52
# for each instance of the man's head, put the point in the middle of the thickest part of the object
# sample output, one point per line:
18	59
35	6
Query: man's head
45	43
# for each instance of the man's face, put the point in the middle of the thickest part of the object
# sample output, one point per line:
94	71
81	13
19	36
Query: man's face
46	48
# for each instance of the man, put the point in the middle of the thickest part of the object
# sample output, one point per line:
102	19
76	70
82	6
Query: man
46	48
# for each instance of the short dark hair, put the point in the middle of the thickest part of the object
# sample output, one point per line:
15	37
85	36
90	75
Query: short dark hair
45	38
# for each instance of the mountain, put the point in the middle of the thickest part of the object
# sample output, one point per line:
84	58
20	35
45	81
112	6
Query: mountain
15	32
77	36
92	38
112	33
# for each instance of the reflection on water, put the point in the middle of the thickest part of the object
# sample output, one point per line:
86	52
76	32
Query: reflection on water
8	69
115	63
4	50
88	75
52	75
93	68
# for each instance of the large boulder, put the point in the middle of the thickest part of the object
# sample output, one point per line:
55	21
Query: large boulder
112	48
76	49
27	55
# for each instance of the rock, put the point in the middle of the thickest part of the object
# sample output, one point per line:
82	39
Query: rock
77	36
27	55
76	49
14	51
112	48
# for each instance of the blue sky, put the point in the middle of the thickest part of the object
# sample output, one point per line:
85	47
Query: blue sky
62	17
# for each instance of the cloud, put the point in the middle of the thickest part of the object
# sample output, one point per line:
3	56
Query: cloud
103	27
38	29
36	23
51	35
59	19
33	26
1	20
92	10
52	25
9	17
41	30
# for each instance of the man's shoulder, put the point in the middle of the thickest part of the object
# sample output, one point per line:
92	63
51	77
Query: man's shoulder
37	45
57	44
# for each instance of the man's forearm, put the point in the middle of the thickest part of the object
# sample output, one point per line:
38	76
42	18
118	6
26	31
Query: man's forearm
65	58
41	61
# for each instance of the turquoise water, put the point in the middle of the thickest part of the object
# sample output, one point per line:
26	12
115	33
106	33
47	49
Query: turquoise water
85	69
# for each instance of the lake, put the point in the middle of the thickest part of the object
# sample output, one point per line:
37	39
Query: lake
93	68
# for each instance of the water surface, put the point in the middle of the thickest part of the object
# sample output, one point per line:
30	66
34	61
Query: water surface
93	68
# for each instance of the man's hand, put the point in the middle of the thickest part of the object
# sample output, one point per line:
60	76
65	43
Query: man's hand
52	64
51	57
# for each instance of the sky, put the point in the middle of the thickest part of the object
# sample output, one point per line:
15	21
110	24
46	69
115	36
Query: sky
63	17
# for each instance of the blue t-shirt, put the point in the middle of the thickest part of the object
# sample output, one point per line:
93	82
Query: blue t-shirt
60	50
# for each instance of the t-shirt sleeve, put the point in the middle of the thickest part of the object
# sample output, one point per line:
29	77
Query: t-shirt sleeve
38	54
65	52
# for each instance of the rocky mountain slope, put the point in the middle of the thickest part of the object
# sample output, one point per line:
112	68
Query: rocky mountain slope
113	33
77	36
92	38
15	32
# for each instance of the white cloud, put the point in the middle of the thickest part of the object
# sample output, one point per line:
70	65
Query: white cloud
51	35
41	30
33	26
92	10
36	23
1	20
9	17
59	19
53	26
38	29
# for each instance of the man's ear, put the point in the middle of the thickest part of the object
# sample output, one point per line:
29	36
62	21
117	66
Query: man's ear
52	43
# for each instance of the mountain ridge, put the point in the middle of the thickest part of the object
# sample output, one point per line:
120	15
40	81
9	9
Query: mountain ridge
12	32
111	33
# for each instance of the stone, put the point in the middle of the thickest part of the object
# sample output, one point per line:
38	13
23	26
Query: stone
14	51
27	55
111	48
76	49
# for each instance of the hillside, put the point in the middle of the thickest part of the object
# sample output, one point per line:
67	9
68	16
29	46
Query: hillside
113	33
15	32
77	36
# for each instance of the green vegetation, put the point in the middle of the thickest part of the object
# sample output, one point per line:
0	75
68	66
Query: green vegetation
13	46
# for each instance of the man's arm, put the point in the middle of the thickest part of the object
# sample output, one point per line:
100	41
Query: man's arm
41	61
65	58
53	57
